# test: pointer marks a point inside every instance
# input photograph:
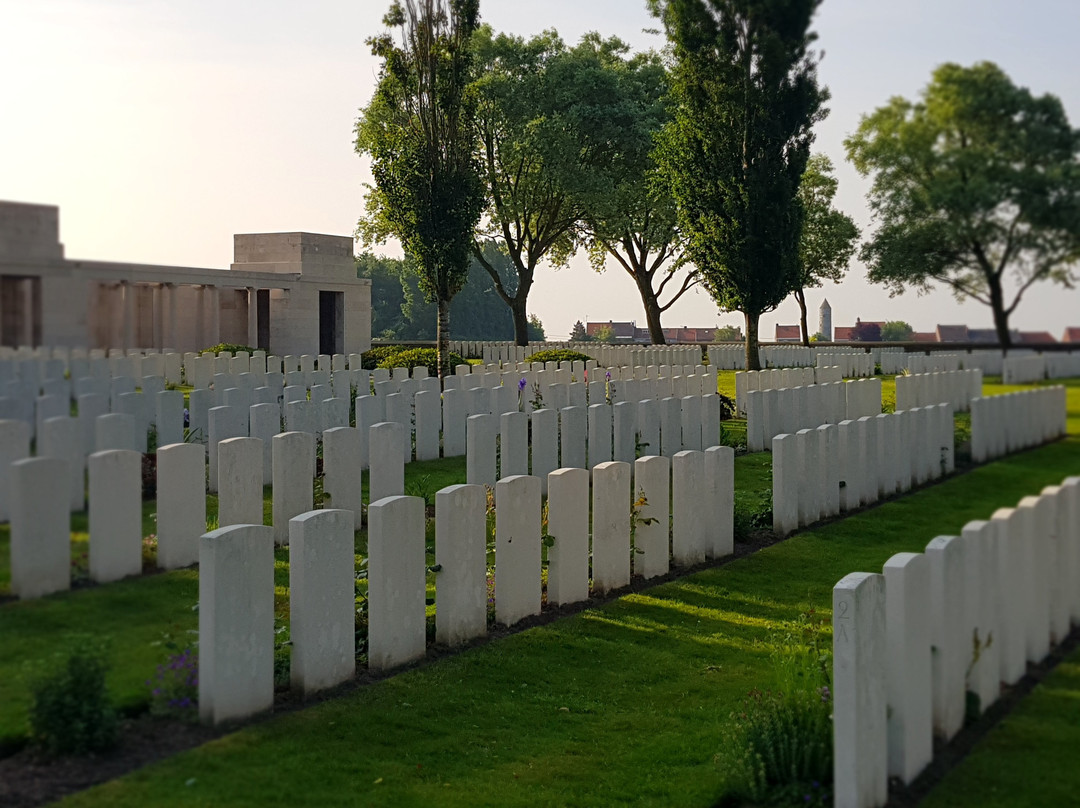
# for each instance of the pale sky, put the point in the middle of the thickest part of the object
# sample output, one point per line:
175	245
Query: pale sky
163	127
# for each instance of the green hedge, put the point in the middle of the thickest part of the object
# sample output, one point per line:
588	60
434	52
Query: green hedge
558	355
416	357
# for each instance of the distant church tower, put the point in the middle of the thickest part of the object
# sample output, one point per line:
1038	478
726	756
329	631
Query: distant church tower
825	321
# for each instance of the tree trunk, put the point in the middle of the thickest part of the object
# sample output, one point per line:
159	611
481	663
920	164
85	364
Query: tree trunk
800	296
753	361
521	321
442	337
652	314
1001	318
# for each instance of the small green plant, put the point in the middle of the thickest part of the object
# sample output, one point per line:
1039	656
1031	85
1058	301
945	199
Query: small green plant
70	710
282	654
778	748
174	689
223	347
421	487
538	397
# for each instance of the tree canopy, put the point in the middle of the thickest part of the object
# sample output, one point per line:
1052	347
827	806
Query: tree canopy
417	131
897	331
976	183
629	213
828	236
547	115
744	83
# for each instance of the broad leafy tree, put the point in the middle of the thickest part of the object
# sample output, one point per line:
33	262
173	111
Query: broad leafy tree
418	132
745	91
400	311
546	115
630	214
897	331
866	332
828	235
976	186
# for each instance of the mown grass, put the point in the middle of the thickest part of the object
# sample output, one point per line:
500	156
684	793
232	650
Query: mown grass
1029	760
646	682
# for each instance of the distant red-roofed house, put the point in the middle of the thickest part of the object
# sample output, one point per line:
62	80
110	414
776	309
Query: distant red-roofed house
788	333
842	333
952	333
1072	334
988	335
621	331
924	336
1036	337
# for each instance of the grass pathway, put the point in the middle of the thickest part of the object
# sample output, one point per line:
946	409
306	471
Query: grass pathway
620	704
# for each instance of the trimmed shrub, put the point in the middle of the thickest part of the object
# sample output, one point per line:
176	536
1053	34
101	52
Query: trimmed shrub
228	346
558	355
419	357
70	712
370	359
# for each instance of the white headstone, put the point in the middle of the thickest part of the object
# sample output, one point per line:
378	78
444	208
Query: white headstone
341	470
240	486
460	553
386	448
611	526
40	532
322	599
115	514
181	503
236	622
294	474
396	582
517	549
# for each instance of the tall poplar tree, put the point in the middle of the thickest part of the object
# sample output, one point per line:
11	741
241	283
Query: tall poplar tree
418	131
745	90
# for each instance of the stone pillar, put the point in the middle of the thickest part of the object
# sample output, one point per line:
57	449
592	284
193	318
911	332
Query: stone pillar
128	323
611	526
322	599
517	549
568	525
40	532
460	553
236	623
294	474
396	583
181	503
214	334
253	317
115	515
860	734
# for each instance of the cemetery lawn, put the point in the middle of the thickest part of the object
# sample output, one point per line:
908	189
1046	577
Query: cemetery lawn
1030	758
621	703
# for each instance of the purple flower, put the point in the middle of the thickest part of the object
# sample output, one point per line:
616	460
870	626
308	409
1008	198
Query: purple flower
608	375
521	385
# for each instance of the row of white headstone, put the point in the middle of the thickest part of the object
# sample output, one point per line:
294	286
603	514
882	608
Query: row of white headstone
1008	423
1036	367
851	364
236	580
819	473
776	378
964	617
787	410
580	437
935	362
957	387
